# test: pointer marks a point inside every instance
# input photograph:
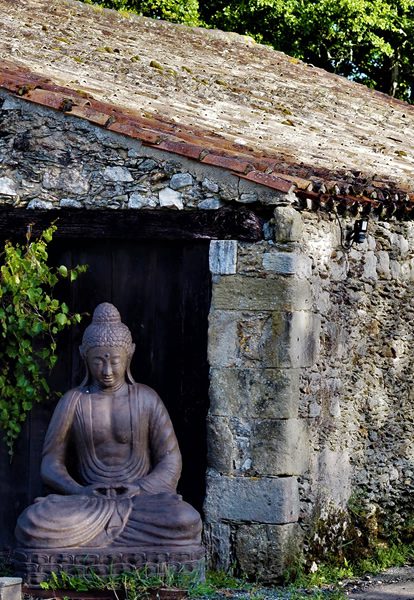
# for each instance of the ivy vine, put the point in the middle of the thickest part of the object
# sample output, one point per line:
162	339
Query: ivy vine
30	319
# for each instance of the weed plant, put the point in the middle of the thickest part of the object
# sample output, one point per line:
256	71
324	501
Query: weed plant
324	579
139	583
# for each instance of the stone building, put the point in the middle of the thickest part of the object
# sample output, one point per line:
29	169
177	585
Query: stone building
269	161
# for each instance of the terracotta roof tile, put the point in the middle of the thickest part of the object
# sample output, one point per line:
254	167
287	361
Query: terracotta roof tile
300	183
182	148
227	162
271	181
145	135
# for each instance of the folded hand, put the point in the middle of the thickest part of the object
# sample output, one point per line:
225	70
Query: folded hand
121	490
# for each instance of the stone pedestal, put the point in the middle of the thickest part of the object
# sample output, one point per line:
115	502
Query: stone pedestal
10	588
36	565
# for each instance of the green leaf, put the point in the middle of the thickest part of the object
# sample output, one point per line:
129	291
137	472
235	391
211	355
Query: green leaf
62	319
54	304
45	385
37	327
47	235
63	271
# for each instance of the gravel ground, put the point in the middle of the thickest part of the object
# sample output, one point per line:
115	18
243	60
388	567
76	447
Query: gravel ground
396	583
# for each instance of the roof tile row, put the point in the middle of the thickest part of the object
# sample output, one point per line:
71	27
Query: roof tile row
206	147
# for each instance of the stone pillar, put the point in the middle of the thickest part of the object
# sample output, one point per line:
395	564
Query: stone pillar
10	588
262	331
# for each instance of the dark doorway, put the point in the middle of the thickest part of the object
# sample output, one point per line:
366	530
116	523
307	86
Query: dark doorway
162	290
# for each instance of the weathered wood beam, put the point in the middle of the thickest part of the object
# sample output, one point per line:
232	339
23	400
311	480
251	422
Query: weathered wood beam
237	224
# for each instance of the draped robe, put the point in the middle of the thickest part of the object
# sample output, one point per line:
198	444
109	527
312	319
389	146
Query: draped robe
155	517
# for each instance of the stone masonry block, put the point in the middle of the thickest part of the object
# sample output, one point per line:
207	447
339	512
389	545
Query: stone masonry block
219	444
288	263
255	332
222	346
217	543
335	472
255	293
8	187
223	257
181	180
288	224
265	551
170	198
298	342
254	393
238	339
279	340
280	447
10	588
263	340
9	103
241	499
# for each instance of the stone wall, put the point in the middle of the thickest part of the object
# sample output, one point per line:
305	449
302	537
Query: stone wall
309	345
49	160
357	398
311	371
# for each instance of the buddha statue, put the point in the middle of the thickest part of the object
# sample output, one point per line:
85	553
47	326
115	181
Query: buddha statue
121	492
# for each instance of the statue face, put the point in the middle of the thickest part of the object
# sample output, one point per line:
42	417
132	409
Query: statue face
107	366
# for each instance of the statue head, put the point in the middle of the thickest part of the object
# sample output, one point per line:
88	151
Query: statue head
107	331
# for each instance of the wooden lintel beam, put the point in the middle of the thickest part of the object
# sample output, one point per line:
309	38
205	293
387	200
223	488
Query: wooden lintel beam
227	223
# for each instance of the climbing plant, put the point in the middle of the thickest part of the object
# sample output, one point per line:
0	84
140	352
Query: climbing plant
30	319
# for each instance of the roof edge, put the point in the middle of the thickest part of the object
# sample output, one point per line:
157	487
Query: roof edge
325	190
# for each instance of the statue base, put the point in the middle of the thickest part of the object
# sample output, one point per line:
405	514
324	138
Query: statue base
35	565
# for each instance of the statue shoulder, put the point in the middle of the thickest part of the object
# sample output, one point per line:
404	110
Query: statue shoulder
69	399
61	420
147	396
144	391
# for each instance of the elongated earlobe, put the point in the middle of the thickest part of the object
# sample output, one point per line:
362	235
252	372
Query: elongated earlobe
129	377
86	379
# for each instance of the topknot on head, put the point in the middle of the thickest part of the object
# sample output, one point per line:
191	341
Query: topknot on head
106	329
106	313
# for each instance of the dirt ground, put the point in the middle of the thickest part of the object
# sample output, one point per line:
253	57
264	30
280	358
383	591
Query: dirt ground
395	584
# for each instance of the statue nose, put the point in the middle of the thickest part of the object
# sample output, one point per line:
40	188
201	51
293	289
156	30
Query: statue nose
107	369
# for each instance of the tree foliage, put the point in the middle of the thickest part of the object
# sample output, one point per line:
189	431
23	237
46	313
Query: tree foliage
369	41
176	11
30	319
